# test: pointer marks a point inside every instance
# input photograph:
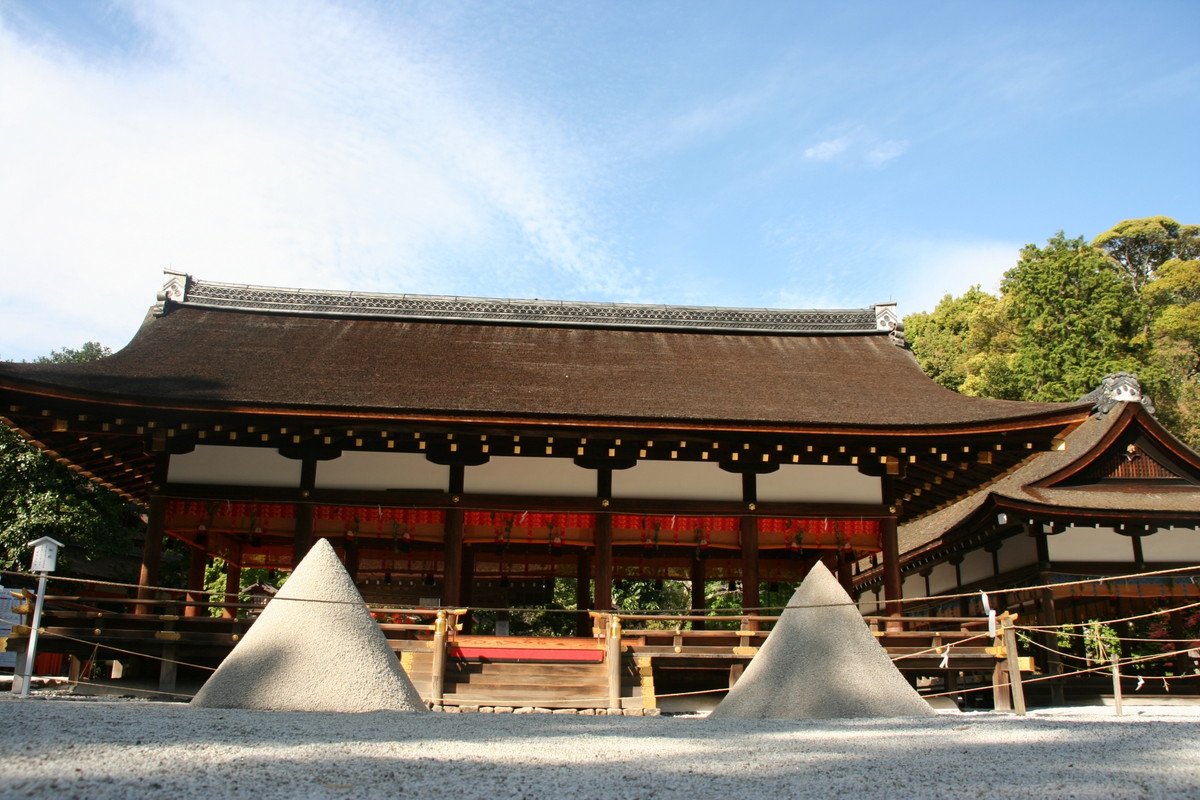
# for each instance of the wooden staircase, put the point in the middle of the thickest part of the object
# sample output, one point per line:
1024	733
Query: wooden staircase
521	682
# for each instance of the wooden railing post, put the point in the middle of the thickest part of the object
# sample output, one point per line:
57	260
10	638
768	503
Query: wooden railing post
437	677
614	663
1014	664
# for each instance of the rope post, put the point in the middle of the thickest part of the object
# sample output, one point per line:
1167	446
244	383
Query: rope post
1116	678
437	676
1014	664
614	663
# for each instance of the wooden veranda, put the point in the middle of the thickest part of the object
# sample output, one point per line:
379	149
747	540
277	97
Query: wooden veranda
630	663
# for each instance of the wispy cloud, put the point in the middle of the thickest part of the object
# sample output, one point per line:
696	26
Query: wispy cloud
317	147
828	149
860	146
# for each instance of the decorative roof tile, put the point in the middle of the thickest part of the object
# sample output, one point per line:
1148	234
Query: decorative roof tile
185	290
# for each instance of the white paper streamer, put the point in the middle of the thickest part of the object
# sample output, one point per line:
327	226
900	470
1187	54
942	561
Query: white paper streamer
945	658
991	614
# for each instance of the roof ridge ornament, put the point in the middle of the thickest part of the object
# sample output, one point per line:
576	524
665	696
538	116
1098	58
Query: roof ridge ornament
887	318
1118	387
173	291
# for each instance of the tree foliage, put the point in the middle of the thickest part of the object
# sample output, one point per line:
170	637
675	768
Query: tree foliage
1071	312
40	497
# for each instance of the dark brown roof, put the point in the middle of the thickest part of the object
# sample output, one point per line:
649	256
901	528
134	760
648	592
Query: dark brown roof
824	369
1040	486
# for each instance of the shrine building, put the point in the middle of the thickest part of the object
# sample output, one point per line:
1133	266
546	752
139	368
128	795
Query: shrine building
468	449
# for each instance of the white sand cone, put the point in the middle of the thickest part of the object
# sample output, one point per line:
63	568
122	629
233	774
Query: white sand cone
821	662
313	648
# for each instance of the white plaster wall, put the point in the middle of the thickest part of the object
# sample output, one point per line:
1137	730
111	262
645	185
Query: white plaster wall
1017	551
977	566
914	586
382	471
1090	544
943	579
530	476
236	466
819	483
677	480
1181	545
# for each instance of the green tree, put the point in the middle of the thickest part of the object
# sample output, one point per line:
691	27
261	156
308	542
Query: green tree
1174	300
1075	318
40	497
964	343
1070	313
1141	246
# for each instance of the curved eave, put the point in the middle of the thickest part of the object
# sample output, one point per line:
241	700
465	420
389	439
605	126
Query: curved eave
1054	422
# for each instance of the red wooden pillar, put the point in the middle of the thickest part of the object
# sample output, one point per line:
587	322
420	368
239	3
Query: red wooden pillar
749	531
699	598
604	564
452	559
893	583
233	584
583	593
197	561
156	523
845	571
302	536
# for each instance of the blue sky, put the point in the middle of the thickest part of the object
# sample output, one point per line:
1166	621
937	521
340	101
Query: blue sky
783	154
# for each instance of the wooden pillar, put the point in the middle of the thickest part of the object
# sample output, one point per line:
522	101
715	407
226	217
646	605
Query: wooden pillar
750	600
351	548
583	593
1139	556
197	561
602	590
603	582
749	536
1050	641
302	537
452	555
233	585
467	585
156	522
893	583
699	598
845	571
452	541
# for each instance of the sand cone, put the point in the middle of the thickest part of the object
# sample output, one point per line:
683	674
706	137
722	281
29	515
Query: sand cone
821	662
313	648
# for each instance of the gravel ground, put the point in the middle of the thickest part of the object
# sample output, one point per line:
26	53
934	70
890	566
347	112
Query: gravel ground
63	748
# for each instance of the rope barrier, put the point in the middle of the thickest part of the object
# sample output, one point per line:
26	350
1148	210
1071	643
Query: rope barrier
906	600
940	649
1057	676
126	652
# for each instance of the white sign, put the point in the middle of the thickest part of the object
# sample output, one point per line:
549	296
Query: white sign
45	554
